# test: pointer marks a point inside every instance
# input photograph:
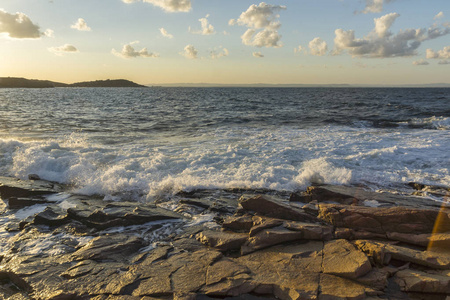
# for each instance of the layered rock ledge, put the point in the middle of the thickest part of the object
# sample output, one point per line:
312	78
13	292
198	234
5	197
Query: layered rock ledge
329	242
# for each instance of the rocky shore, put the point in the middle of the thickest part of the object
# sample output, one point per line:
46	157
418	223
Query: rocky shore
329	242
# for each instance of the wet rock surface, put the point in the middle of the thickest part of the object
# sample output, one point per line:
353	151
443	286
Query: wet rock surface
222	245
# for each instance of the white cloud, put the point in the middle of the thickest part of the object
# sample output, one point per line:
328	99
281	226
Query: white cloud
67	48
440	54
440	15
168	5
374	6
81	25
219	53
49	33
381	43
265	38
165	33
383	24
420	62
262	17
18	26
129	52
258	54
189	52
318	47
299	49
207	29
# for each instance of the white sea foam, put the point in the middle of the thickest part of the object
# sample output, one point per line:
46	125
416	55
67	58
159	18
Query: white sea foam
283	158
440	123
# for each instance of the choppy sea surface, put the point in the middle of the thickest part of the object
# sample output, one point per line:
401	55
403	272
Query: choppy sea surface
144	143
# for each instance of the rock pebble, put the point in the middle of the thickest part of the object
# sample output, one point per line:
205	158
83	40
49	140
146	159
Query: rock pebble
330	246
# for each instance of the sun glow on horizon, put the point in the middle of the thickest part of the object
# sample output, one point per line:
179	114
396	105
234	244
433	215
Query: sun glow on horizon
245	42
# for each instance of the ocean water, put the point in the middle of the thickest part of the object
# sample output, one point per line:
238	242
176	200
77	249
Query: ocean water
148	143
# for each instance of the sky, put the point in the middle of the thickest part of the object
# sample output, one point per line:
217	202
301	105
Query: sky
227	41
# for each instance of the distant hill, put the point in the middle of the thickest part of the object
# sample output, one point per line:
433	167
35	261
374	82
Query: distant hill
15	82
107	83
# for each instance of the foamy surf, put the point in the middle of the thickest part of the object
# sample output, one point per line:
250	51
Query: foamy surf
284	159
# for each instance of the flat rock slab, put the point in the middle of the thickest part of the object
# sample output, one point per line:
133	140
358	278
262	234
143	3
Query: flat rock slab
417	281
222	241
274	207
286	271
102	215
265	232
12	187
382	220
343	259
52	215
17	203
382	253
431	259
334	288
114	247
342	194
269	237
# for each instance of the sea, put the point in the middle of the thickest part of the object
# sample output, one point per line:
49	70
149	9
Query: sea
143	144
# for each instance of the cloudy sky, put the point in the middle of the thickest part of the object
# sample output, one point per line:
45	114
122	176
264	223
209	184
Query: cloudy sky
227	41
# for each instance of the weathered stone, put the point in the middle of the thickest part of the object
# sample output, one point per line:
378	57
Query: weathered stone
413	239
417	281
312	208
343	259
102	215
184	296
157	254
376	252
17	203
336	288
6	276
191	276
286	270
221	240
311	231
52	215
224	269
270	237
187	244
260	223
12	187
115	247
203	203
381	252
159	285
184	272
376	279
297	197
239	224
343	233
439	242
82	268
382	220
362	235
274	207
431	259
340	193
34	177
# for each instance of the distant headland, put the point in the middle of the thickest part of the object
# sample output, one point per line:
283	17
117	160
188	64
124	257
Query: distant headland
16	82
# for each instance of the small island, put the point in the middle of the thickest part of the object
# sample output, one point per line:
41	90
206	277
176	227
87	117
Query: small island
16	82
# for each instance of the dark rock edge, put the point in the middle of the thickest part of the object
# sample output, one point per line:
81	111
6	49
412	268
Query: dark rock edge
322	244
